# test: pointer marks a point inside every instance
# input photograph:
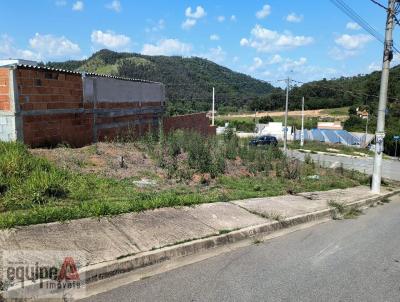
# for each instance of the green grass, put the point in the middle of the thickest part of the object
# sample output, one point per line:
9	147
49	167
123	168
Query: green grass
336	111
344	212
33	190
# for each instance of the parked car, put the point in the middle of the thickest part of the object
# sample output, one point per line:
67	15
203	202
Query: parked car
264	141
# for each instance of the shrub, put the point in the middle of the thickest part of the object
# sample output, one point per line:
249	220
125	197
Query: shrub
266	120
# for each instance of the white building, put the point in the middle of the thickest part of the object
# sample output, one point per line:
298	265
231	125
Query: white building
7	62
274	129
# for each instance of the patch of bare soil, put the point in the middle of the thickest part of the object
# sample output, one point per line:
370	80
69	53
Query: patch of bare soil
115	160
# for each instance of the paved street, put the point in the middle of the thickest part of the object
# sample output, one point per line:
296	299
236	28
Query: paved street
391	168
349	260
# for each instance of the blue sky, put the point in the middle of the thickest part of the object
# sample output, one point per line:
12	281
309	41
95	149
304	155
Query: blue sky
307	39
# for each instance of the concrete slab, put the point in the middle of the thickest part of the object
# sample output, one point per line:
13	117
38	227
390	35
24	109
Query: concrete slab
340	195
97	239
224	216
100	240
154	229
284	206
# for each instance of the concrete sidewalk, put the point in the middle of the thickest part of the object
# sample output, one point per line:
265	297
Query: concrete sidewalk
108	240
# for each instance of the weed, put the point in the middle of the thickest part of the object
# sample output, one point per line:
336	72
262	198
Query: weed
385	200
340	207
352	213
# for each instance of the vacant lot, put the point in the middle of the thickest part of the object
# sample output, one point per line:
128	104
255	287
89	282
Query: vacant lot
45	185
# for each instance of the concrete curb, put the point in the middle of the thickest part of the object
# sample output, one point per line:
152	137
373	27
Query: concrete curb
110	269
330	153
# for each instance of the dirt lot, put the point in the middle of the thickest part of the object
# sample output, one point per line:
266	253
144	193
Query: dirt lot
113	160
308	113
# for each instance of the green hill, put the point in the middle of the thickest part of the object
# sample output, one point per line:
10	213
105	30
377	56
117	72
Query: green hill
188	81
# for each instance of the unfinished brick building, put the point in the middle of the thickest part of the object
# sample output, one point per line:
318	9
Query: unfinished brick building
44	106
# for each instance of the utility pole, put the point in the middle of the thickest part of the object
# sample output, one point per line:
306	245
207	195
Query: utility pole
380	129
366	130
213	108
302	123
285	131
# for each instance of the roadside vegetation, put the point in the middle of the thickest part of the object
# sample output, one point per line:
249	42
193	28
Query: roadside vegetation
180	169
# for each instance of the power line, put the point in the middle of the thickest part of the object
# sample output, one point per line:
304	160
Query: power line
354	92
379	4
340	4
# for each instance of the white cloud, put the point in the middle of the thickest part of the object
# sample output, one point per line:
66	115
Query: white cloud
61	2
233	18
53	46
235	59
167	47
342	54
374	67
353	26
115	5
214	37
265	40
276	59
353	42
78	6
110	39
221	19
9	51
160	25
257	63
42	48
294	18
189	23
193	16
290	64
197	14
264	12
217	54
244	42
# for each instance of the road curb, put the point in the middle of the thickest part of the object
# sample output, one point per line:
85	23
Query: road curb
110	269
329	153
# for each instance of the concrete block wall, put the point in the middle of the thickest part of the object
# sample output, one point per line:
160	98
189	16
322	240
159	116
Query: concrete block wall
45	107
124	107
51	107
197	122
58	106
4	90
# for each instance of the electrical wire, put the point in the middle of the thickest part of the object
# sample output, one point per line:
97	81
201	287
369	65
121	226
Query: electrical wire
353	92
340	4
379	4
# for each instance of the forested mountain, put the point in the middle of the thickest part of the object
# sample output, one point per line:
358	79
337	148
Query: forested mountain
188	81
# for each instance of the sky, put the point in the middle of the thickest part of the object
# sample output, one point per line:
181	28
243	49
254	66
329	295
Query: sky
269	40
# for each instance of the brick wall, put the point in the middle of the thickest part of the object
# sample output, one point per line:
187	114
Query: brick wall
51	105
4	90
57	106
197	122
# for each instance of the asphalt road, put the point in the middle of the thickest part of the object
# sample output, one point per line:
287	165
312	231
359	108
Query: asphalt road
349	260
390	169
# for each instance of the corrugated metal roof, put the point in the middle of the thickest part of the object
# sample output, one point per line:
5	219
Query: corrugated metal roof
87	74
91	74
47	69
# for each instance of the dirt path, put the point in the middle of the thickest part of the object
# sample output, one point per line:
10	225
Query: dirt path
307	113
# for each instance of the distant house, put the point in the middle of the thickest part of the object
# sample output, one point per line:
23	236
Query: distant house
362	113
7	62
330	125
275	129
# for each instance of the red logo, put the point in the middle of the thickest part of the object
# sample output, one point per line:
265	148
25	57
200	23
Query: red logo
68	270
